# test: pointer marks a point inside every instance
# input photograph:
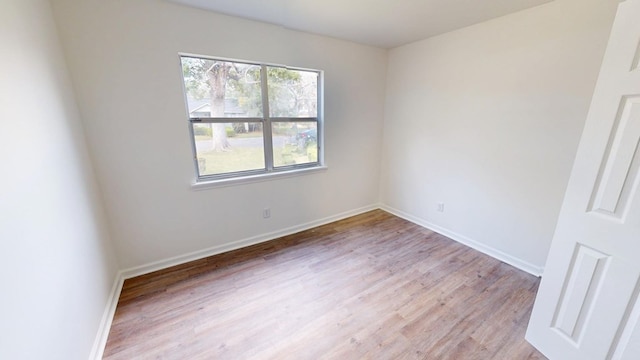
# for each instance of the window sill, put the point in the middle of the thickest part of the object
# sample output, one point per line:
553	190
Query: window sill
203	185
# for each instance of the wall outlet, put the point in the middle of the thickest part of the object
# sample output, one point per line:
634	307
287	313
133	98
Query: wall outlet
440	207
266	213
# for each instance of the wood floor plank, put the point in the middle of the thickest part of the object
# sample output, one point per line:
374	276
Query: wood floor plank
373	286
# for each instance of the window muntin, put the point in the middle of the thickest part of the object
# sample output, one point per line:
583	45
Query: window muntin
231	136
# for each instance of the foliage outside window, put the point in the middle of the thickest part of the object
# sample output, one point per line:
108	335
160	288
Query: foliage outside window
250	118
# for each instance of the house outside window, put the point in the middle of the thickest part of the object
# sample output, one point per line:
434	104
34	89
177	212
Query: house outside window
249	118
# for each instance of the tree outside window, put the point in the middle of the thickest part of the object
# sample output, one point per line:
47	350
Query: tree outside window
251	118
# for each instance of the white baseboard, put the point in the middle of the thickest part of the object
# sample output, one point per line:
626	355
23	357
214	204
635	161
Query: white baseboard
100	342
218	249
495	253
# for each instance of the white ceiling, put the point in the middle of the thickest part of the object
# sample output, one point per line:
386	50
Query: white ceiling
383	23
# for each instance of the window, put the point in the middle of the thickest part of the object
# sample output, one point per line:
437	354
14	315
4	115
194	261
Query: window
251	118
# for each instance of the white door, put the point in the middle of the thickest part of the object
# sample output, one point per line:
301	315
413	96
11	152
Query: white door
588	305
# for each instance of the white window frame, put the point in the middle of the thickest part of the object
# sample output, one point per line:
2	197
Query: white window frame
270	171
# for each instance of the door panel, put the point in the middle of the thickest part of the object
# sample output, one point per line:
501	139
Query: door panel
587	305
619	170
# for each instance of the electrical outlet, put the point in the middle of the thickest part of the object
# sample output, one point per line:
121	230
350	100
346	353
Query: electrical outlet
440	207
266	213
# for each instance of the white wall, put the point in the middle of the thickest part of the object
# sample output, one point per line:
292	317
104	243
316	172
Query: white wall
487	120
123	56
57	266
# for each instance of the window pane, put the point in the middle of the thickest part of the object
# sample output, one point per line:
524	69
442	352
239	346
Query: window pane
221	88
225	148
292	93
295	143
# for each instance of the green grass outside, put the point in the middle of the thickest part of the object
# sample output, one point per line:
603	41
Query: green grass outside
245	158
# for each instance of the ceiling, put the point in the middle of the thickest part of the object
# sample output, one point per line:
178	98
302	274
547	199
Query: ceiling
382	23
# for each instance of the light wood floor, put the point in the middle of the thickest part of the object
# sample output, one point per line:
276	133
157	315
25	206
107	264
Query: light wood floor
373	286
